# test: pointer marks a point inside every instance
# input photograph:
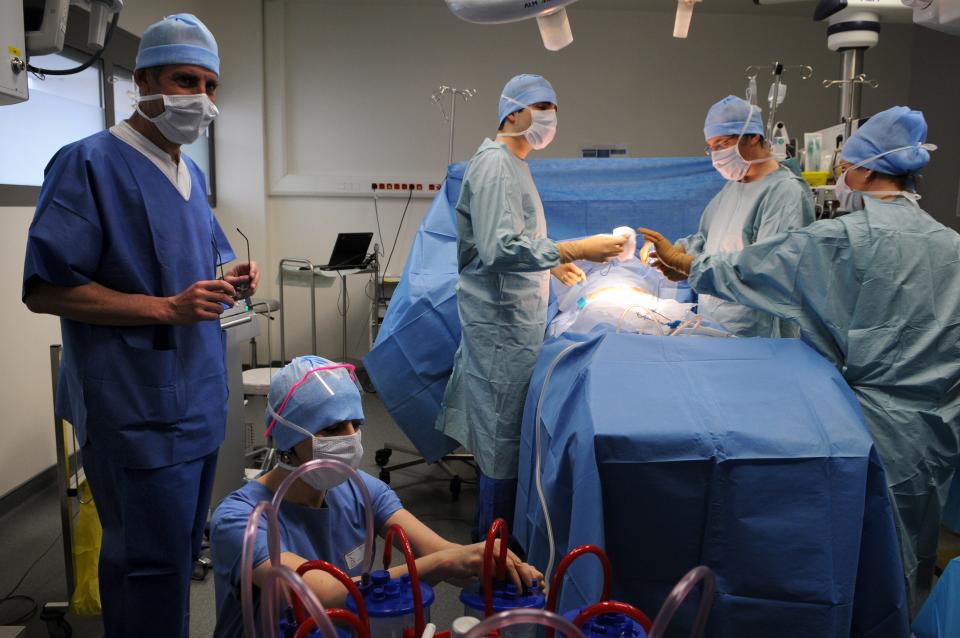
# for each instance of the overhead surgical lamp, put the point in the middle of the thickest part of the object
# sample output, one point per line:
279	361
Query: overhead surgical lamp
551	16
681	24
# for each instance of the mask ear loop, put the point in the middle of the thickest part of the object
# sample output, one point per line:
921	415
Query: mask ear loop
912	196
743	131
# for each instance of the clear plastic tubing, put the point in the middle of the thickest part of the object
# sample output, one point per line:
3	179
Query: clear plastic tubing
246	560
347	472
677	596
279	576
525	616
538	481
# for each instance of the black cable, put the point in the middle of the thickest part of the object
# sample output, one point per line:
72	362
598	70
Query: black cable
376	212
88	63
397	236
10	595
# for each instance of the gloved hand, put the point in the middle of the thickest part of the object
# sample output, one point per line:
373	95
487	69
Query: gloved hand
568	274
598	248
672	260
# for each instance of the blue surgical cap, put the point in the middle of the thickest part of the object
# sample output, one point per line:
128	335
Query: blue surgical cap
888	130
311	406
525	89
728	116
178	39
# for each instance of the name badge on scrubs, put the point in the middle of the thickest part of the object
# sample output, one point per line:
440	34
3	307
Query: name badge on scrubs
354	557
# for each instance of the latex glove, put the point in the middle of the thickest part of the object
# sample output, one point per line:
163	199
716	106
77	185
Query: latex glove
568	274
598	248
669	256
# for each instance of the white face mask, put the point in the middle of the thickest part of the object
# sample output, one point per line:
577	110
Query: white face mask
851	200
730	164
184	117
543	127
346	449
728	161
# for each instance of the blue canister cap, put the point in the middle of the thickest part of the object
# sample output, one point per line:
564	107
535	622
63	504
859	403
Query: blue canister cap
342	632
609	626
388	598
505	597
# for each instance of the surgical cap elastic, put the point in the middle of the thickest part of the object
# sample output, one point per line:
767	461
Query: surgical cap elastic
888	130
525	89
311	406
728	116
178	39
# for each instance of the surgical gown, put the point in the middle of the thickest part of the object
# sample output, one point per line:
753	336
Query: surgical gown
743	213
877	292
504	257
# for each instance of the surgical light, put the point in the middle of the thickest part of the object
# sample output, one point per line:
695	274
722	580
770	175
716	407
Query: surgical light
551	16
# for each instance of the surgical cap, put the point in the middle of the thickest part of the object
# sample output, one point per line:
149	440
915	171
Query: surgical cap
728	116
311	406
525	89
178	39
891	129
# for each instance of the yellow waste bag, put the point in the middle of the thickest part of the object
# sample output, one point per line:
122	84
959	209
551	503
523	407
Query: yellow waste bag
86	557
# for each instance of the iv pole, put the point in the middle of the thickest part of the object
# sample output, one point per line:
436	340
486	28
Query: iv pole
466	94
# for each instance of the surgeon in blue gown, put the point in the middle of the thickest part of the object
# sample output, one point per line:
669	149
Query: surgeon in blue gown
505	259
761	198
123	248
877	292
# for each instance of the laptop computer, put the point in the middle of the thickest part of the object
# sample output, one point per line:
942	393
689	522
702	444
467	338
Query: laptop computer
349	251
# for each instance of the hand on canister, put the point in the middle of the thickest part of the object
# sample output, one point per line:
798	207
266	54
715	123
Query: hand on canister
672	260
598	248
568	274
463	564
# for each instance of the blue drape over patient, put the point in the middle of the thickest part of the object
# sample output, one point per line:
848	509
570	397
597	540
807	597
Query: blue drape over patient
412	358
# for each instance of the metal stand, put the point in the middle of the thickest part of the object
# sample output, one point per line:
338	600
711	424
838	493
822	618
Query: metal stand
852	79
68	482
383	455
466	94
239	327
302	264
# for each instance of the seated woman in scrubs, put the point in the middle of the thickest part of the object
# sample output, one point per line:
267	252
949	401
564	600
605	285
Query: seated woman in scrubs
315	411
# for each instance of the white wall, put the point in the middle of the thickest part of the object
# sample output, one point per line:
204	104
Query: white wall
348	97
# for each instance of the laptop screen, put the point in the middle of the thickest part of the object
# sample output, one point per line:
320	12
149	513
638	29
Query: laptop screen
350	250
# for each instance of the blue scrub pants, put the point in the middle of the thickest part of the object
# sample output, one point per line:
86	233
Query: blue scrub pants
496	498
153	524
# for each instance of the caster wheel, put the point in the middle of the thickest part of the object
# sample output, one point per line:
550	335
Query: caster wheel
385	476
382	456
455	484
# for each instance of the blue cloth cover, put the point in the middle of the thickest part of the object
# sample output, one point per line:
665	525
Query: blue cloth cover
750	456
412	358
940	615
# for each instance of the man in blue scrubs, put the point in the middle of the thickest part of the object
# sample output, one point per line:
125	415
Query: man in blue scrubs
123	248
315	412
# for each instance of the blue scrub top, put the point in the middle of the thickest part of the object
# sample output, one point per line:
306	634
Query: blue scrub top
150	396
334	532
